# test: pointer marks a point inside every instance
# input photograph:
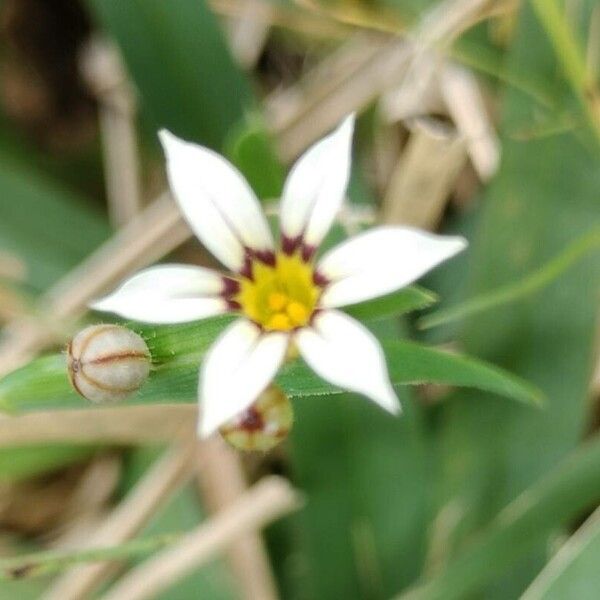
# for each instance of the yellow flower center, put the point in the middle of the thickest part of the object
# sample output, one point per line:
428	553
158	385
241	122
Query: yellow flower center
279	297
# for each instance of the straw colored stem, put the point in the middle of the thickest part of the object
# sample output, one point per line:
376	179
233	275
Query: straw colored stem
263	503
106	425
160	482
222	481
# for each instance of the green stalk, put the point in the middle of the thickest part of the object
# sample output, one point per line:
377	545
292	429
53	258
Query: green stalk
568	53
44	563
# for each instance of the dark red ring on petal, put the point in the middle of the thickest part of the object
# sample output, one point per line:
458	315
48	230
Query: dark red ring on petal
246	270
230	287
267	257
320	279
314	315
290	245
233	304
307	252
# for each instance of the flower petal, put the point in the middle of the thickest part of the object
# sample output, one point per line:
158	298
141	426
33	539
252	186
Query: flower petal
237	368
342	351
216	200
167	294
381	261
316	186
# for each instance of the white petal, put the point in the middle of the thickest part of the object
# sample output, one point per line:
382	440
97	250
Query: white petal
342	351
316	186
216	201
237	368
381	261
167	294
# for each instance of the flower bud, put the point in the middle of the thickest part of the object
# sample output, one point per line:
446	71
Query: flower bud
263	425
107	363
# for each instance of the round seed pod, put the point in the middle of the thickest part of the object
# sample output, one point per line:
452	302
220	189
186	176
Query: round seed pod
107	363
263	425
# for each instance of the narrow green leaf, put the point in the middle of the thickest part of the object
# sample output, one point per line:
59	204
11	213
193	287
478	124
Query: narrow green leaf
37	564
569	54
573	572
410	363
43	383
520	289
558	497
544	196
392	305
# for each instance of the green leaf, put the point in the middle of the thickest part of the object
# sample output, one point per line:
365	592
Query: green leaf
520	289
410	363
43	384
569	54
392	305
367	476
46	225
560	496
178	59
252	150
544	196
573	572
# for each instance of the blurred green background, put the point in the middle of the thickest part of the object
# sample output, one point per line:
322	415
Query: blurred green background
468	495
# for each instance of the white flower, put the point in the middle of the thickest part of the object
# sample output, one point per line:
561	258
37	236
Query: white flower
282	294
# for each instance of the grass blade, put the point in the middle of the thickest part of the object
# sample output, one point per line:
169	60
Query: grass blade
517	290
559	496
37	564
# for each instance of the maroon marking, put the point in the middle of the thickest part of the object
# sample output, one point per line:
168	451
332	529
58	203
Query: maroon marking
73	368
265	256
101	329
233	304
251	421
316	312
307	252
230	287
76	386
109	358
246	270
105	388
320	279
290	245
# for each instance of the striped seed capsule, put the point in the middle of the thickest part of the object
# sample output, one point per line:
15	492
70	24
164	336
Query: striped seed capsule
263	425
107	363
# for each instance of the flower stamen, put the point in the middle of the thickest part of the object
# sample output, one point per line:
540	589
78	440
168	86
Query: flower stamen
279	297
277	301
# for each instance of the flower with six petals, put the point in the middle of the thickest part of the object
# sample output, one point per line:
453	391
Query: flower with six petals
283	293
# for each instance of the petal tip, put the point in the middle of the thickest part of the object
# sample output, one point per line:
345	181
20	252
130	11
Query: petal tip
396	409
100	305
167	139
345	129
456	245
461	242
389	402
